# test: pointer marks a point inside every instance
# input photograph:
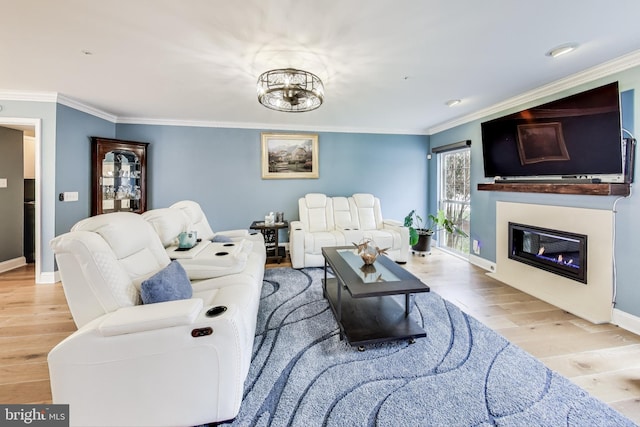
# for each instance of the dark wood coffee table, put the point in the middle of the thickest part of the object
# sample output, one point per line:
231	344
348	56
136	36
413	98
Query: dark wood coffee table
361	297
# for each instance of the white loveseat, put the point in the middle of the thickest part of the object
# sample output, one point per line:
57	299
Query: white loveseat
339	221
158	364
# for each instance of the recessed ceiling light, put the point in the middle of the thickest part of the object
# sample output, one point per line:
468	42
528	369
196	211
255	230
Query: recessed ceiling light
452	102
86	52
562	49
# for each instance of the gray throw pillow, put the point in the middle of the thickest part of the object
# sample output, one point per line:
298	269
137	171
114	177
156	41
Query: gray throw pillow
221	238
169	284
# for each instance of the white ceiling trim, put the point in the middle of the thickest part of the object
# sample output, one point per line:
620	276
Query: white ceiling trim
15	95
263	126
80	106
599	71
28	96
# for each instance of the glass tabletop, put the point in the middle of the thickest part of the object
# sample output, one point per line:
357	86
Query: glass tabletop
368	273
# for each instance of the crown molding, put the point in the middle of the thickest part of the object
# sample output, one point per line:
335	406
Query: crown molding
16	95
85	108
599	71
263	126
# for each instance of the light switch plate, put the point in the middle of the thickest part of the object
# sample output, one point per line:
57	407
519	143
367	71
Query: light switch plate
3	182
70	196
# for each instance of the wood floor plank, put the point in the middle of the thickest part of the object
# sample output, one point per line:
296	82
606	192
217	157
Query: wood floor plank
595	362
36	329
24	372
612	386
543	331
559	344
629	407
30	392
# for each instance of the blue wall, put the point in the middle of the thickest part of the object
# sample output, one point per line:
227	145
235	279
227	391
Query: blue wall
483	203
73	162
221	169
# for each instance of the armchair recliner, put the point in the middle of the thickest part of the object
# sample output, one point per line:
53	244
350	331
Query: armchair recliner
162	364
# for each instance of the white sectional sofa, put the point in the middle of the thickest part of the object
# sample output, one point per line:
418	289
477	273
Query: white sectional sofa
167	362
340	221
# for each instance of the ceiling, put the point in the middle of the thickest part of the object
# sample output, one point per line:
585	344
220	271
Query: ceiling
387	66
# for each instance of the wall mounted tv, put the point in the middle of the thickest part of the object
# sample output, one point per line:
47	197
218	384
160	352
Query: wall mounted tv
577	138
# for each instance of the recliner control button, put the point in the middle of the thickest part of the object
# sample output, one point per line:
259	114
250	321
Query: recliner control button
201	332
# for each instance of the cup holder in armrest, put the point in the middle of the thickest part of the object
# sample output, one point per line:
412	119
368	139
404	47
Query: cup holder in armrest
229	244
222	253
216	311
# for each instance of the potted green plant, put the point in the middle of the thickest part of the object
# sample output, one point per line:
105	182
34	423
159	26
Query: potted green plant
420	233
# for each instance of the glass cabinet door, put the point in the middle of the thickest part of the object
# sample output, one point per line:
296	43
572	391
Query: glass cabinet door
119	176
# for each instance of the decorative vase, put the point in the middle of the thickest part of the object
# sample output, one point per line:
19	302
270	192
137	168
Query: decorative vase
369	253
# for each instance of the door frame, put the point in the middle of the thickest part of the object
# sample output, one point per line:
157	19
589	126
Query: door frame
36	126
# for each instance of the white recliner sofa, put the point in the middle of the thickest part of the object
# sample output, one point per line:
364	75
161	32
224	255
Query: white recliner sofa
339	221
158	364
198	222
216	254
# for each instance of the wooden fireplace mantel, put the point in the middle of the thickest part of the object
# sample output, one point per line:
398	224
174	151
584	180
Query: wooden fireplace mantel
601	189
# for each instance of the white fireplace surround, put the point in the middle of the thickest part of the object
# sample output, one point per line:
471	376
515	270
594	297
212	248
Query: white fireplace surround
591	301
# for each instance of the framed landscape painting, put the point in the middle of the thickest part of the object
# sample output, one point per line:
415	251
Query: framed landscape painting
289	156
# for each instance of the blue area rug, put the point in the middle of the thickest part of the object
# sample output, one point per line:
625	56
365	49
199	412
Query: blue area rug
461	374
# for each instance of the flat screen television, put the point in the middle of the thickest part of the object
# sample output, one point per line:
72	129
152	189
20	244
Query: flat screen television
578	137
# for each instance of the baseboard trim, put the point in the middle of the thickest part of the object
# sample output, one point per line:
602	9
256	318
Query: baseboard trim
48	277
482	263
626	321
10	264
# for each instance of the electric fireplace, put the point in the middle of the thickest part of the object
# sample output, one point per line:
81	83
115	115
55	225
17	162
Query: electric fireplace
555	251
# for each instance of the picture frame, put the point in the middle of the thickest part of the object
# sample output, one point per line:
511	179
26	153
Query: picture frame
541	142
289	156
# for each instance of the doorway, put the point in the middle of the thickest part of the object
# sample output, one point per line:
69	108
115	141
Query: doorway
32	129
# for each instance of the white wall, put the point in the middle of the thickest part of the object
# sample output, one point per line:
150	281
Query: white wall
29	147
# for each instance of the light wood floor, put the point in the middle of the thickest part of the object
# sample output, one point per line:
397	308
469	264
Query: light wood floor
603	359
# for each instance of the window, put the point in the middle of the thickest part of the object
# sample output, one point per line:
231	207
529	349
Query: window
454	197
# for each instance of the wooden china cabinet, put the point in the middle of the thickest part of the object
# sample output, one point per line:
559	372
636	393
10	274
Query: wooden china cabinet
118	176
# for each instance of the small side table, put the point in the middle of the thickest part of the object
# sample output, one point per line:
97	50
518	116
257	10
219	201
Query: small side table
270	233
